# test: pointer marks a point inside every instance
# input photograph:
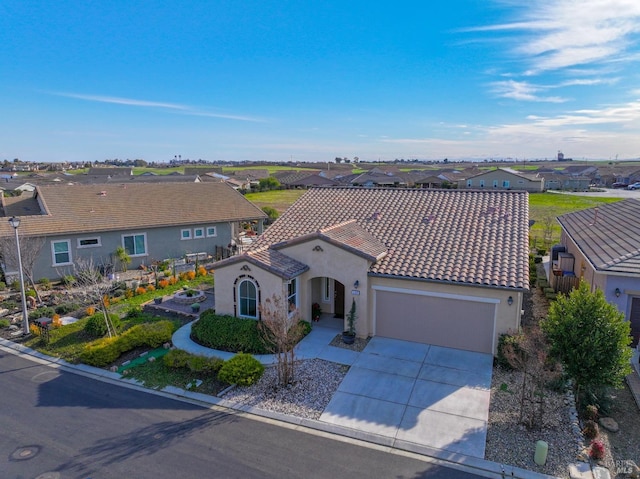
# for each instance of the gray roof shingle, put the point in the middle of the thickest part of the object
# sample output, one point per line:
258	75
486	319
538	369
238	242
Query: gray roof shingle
608	235
72	209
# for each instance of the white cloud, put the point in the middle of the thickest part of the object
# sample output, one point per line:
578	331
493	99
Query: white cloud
558	34
178	108
524	91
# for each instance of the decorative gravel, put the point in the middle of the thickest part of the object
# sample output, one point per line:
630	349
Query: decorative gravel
315	383
511	443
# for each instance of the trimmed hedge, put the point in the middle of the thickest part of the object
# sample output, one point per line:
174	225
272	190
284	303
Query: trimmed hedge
178	358
105	351
228	333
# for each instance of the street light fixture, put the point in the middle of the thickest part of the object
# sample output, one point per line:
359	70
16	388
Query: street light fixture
14	221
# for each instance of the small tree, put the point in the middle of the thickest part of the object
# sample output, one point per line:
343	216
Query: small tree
30	247
123	257
88	278
281	331
591	339
529	355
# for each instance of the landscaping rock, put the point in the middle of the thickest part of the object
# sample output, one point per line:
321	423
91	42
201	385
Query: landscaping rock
126	363
581	470
142	355
166	345
609	424
601	473
151	359
113	369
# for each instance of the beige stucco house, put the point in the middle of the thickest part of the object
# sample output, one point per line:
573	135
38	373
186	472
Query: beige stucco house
444	267
503	179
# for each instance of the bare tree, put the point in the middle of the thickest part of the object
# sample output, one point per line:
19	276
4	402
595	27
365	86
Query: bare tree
531	357
281	331
95	287
30	247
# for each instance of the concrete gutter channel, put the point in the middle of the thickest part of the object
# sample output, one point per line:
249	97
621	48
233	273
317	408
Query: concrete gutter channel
461	462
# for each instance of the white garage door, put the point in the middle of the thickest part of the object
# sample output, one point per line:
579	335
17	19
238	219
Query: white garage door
450	322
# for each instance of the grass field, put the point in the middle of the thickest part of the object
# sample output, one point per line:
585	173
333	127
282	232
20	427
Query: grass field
545	207
278	199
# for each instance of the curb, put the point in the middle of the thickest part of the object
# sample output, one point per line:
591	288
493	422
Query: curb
469	464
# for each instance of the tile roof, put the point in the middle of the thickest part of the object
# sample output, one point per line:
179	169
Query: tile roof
608	235
108	207
463	236
348	235
270	260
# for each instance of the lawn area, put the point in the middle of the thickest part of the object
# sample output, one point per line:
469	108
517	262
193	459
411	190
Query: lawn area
545	207
278	199
68	341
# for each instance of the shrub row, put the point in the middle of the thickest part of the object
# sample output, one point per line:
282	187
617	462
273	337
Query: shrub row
177	358
242	369
102	352
228	333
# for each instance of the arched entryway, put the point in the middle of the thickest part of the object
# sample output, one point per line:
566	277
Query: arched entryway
329	294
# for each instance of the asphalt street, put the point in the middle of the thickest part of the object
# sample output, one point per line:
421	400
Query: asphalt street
59	425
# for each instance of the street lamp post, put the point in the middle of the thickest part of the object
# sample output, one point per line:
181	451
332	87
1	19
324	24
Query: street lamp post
14	221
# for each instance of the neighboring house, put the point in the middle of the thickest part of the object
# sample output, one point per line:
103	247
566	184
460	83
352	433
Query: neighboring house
555	181
445	267
602	246
376	177
503	179
443	179
110	171
152	221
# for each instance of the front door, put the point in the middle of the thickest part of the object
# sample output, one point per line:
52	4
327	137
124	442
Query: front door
338	299
634	319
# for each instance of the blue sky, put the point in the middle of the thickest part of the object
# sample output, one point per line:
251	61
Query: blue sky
309	81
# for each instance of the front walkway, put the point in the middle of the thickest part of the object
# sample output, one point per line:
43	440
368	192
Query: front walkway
406	392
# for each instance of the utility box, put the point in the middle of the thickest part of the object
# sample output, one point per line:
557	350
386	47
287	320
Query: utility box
566	262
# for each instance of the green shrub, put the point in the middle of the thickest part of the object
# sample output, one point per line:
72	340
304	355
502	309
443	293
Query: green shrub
242	369
10	304
44	283
3	285
30	293
4	323
68	280
228	333
202	364
505	342
67	308
96	325
102	352
42	312
176	358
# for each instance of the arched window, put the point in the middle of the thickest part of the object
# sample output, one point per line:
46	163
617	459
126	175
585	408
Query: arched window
247	296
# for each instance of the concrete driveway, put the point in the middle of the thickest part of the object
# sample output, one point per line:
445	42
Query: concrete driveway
427	395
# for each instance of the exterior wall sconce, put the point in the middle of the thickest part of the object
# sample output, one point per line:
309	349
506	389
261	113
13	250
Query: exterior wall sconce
510	300
617	292
356	285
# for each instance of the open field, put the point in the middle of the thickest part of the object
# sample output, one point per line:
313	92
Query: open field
278	199
545	207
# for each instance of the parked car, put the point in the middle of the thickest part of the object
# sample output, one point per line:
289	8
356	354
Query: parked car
634	186
619	184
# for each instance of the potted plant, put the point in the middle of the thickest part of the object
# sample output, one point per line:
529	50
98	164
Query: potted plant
349	336
157	300
316	311
195	307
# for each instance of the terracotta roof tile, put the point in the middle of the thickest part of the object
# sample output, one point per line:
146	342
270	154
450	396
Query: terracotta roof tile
270	260
465	236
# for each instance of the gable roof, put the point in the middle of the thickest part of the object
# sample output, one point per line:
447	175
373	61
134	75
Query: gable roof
609	235
271	260
461	236
65	209
348	235
526	176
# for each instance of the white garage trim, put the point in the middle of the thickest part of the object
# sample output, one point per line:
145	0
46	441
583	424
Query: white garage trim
477	299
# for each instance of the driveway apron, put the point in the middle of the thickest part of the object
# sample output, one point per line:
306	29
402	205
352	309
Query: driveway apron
424	394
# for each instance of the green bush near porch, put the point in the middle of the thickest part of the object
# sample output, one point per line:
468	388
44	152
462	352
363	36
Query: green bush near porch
228	333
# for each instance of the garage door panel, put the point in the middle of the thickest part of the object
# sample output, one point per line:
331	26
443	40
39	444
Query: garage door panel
445	322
